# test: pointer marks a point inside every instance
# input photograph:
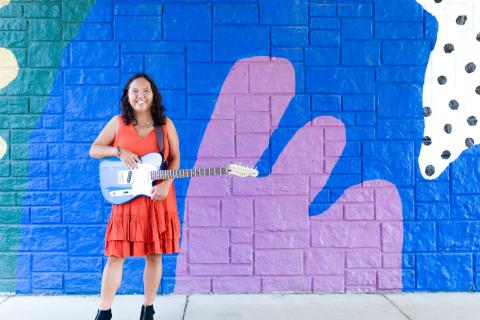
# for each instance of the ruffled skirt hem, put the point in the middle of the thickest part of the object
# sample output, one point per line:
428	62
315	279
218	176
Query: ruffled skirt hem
142	227
125	248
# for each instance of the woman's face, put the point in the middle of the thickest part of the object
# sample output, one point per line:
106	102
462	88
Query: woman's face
140	95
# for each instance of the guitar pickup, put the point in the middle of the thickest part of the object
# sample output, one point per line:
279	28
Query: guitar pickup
124	177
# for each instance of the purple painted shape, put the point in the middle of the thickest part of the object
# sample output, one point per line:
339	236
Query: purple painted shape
261	237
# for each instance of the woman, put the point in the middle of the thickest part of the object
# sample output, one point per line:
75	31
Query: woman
144	226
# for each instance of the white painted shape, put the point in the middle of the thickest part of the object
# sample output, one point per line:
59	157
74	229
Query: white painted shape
8	73
8	67
3	147
3	3
460	85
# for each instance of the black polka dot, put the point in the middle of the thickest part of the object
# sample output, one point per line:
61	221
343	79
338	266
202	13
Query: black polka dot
448	48
448	128
442	80
438	1
461	20
430	170
478	36
427	140
469	142
470	67
427	111
477	90
453	104
446	154
472	121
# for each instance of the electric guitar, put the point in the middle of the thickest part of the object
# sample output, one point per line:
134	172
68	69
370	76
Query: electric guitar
120	184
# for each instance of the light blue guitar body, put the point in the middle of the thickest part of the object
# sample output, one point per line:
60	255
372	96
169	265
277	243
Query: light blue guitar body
119	184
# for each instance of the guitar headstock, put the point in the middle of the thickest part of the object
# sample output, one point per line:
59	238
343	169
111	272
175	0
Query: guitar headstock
242	171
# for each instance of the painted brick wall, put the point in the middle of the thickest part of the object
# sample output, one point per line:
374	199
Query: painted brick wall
323	96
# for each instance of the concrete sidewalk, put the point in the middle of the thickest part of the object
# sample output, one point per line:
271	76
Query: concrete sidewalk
417	306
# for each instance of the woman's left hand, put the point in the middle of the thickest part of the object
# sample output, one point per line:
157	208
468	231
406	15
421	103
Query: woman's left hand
160	190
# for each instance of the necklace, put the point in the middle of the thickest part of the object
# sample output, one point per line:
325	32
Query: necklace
148	124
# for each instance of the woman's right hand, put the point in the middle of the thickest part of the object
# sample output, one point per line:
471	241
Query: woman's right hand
130	159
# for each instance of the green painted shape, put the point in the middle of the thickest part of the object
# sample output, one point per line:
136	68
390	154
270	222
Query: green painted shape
8	264
41	32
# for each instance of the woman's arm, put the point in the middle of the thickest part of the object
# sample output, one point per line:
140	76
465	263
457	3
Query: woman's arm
101	147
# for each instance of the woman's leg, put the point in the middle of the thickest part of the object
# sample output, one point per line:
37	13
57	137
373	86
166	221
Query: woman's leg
111	279
151	277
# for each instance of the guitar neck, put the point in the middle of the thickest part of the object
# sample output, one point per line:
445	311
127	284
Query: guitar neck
187	173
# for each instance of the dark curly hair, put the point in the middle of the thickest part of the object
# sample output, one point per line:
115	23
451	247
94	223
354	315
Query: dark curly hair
158	109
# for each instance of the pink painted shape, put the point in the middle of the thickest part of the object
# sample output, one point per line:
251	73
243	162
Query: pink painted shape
266	241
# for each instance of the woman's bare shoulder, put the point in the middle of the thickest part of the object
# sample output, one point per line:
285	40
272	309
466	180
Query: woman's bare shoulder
114	123
168	121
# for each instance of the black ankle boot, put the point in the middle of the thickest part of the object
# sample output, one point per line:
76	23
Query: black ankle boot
104	314
147	313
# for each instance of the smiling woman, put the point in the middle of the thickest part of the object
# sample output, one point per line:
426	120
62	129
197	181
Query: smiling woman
145	226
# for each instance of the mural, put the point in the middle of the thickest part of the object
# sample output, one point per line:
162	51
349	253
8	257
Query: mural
255	235
324	98
451	90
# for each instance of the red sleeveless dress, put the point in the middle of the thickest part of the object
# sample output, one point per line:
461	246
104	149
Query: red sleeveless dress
142	226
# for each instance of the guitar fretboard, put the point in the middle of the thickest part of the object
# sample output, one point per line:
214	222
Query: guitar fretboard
187	173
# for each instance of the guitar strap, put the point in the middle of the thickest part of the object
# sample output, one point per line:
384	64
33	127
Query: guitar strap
161	143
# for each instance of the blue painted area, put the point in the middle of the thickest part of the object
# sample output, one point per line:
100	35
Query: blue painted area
368	72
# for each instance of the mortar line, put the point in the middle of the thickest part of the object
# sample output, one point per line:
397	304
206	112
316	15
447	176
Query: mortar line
396	307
